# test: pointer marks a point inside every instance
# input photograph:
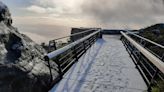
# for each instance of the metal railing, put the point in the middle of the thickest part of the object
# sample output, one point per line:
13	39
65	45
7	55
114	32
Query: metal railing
148	44
57	43
66	56
150	65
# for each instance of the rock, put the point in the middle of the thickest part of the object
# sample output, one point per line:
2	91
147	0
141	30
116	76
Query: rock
22	67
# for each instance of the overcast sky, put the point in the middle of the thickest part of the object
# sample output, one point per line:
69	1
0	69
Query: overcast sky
33	15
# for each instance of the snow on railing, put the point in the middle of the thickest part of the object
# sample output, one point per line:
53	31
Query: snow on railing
150	66
63	41
75	34
159	45
156	61
66	56
61	50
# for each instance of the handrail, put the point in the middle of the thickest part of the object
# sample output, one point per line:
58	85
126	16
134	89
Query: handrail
159	45
73	34
152	58
66	56
61	50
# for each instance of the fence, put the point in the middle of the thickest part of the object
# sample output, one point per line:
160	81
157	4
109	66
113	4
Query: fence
66	56
149	64
63	41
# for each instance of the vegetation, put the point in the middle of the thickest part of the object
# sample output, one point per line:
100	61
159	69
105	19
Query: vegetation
154	33
159	88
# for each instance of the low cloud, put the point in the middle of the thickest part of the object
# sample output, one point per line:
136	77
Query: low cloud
36	9
125	12
36	38
49	19
118	13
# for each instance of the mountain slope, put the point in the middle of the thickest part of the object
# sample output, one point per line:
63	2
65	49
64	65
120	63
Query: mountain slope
156	34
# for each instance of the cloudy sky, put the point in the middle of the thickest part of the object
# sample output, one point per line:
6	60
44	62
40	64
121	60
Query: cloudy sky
48	19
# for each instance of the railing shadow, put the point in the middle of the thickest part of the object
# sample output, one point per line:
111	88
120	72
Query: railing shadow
88	58
100	43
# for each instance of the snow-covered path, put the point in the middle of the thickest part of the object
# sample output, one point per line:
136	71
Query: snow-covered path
106	67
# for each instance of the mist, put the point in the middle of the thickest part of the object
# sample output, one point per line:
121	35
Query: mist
131	13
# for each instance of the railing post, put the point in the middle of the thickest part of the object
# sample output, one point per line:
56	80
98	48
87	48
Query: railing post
82	35
152	80
49	48
95	37
49	66
162	57
100	34
90	40
54	44
75	54
59	67
143	43
141	40
133	50
84	46
125	42
139	58
121	37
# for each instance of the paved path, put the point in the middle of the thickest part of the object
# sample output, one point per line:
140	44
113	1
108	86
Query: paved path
106	67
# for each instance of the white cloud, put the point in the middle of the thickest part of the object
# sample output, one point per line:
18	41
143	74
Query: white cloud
36	9
116	13
56	7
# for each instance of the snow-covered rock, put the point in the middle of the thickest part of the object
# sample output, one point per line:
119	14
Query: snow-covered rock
2	6
22	67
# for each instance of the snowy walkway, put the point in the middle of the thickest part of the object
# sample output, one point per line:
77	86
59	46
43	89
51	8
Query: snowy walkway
106	67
